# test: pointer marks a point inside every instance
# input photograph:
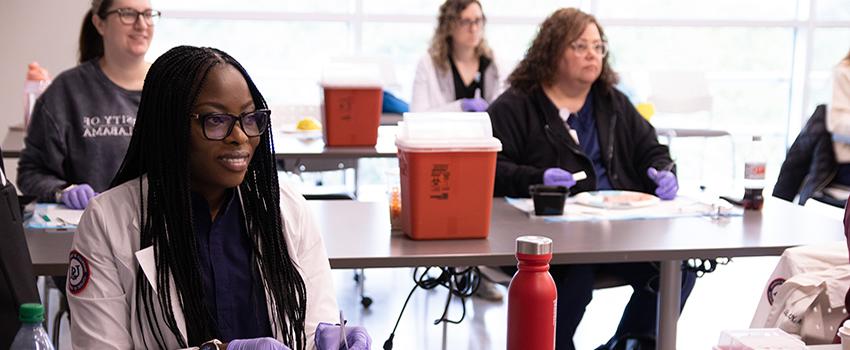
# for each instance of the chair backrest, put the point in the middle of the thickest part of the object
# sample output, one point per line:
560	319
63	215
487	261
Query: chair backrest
17	280
680	92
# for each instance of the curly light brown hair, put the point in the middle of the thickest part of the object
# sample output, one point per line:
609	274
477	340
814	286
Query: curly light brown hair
441	42
539	67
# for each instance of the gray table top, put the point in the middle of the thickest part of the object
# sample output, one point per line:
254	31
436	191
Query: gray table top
287	145
357	235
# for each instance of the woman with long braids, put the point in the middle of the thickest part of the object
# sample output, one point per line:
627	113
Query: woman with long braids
196	243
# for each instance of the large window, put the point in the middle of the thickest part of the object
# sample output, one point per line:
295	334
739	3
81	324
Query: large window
766	67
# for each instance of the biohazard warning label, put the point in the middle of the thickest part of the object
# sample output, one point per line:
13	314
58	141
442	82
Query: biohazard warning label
440	186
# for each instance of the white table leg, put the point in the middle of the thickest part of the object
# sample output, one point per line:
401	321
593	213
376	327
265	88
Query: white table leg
669	303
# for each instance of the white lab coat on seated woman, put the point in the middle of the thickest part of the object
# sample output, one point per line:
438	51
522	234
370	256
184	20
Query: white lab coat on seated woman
838	117
434	89
105	257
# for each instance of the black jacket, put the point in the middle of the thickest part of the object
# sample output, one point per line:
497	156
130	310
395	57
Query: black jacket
534	139
810	163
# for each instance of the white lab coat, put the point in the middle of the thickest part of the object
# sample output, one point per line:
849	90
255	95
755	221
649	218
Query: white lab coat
104	312
434	90
805	294
838	116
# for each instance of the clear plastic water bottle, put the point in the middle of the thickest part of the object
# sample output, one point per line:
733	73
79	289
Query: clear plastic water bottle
32	335
532	297
754	175
37	81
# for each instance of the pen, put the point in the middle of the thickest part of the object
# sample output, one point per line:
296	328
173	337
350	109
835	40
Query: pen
343	340
45	217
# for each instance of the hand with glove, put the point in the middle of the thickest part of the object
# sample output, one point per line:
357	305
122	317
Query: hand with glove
328	337
256	344
666	181
473	104
77	196
558	177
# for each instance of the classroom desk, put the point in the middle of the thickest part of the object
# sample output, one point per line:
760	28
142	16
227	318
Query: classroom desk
357	235
287	145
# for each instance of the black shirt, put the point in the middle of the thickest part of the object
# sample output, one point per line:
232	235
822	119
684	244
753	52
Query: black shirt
468	91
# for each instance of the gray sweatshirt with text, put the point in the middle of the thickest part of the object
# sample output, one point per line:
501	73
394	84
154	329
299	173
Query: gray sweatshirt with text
78	134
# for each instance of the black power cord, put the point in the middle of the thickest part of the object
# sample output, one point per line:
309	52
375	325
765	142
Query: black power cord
462	284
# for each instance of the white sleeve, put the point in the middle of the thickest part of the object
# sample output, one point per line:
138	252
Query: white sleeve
838	117
313	263
100	315
424	88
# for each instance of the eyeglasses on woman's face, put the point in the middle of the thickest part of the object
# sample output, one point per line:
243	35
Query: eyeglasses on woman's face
470	22
218	126
130	16
581	47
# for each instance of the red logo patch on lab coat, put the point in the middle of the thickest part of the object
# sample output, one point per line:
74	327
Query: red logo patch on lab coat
78	272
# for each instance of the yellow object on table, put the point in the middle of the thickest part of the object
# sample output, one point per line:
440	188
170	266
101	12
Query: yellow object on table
308	124
646	109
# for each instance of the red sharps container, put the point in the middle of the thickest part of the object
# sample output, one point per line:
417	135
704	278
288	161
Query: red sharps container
532	297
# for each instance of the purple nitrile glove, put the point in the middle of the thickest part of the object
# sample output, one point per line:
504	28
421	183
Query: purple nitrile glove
77	196
473	104
256	344
667	183
328	337
558	177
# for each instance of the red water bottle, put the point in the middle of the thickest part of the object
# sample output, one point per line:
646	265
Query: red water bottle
532	297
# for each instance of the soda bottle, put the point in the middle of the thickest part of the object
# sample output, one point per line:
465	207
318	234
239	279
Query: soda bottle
754	172
532	297
36	83
31	335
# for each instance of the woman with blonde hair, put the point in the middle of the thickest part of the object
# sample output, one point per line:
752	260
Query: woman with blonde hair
838	117
458	72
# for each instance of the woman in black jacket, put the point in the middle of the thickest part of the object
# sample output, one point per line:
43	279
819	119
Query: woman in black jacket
561	116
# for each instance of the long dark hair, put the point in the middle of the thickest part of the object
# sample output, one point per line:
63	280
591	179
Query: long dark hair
91	42
539	67
159	149
441	42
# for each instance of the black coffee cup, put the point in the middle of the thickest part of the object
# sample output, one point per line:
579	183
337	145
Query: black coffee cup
548	200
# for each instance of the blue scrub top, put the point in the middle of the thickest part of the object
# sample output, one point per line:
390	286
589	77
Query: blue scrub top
233	293
584	123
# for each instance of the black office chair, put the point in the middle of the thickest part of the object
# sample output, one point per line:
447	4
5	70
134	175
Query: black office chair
17	279
810	165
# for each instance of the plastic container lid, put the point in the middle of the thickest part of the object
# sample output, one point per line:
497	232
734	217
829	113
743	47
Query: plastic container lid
758	338
534	245
351	75
440	132
31	313
36	72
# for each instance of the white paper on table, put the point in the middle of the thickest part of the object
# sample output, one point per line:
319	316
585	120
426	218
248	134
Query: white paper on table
68	216
681	206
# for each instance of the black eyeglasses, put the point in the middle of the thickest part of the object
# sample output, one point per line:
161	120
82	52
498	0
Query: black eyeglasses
217	126
468	23
130	16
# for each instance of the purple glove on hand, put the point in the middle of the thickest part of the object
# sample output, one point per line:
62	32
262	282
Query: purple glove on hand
77	196
667	183
328	337
558	177
473	104
256	344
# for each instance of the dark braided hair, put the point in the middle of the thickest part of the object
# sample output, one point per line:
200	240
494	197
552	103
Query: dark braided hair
159	149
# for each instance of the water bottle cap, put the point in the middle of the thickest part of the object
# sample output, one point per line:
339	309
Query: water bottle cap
31	313
36	72
534	245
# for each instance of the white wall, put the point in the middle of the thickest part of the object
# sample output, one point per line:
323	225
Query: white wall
46	31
